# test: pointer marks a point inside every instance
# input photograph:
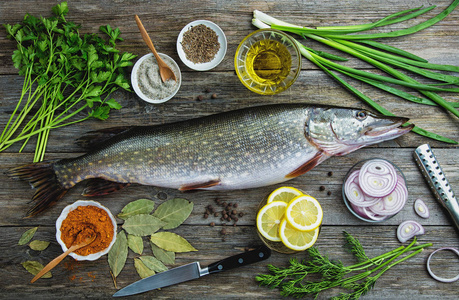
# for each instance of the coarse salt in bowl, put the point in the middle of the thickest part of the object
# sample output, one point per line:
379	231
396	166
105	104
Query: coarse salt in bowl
216	60
63	216
147	82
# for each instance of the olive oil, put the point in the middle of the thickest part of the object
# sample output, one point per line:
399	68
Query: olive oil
268	62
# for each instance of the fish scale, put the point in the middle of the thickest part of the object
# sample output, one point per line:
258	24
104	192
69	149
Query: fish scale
240	149
227	149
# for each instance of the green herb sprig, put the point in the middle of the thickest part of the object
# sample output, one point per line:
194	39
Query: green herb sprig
387	58
291	280
68	78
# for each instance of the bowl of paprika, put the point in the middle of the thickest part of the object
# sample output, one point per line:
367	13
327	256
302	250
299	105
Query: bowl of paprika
83	216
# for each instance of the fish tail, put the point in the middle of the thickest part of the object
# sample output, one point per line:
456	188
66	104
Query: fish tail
41	177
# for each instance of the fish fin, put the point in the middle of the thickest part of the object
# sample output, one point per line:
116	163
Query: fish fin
307	166
196	186
100	187
97	137
42	177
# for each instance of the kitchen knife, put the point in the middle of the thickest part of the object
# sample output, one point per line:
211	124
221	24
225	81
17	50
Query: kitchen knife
193	271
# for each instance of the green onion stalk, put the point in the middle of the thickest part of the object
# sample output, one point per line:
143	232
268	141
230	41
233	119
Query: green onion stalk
389	59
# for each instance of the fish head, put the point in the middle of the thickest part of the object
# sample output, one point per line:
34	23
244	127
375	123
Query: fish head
339	131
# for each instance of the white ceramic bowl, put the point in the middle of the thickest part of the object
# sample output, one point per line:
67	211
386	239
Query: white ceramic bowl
218	57
64	214
135	83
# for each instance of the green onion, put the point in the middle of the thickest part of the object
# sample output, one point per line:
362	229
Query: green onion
382	56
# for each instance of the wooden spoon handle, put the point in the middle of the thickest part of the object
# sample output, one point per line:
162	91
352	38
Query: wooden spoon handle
147	39
54	262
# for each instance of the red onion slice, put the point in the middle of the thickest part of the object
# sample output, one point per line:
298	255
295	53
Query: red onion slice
393	203
354	193
421	209
365	213
441	279
409	229
377	178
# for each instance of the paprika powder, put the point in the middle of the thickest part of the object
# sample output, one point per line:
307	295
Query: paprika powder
87	220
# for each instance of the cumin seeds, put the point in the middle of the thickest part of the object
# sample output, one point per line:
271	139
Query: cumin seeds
200	44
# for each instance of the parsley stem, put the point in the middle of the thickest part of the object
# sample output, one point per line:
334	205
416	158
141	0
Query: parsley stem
65	75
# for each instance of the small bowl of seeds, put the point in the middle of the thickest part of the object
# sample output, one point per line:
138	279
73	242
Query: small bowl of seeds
147	82
201	45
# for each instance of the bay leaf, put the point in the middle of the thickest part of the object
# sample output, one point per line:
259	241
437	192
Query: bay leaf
170	241
135	243
27	236
142	269
137	207
118	254
34	267
38	245
153	263
166	257
174	212
142	225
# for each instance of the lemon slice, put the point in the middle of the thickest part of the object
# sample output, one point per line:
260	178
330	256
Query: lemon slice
284	193
304	213
268	219
295	239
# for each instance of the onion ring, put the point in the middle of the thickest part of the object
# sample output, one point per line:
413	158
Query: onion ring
377	178
354	193
392	203
441	279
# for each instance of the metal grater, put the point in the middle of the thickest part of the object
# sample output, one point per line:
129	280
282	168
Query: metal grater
431	169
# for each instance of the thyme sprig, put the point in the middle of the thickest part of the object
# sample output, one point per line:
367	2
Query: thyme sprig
291	280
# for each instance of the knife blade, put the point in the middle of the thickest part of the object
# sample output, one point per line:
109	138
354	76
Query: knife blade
193	271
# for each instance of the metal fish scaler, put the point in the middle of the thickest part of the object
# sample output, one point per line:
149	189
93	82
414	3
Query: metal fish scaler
240	149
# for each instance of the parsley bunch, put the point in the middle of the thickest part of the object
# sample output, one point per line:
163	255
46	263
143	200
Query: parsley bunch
292	281
68	78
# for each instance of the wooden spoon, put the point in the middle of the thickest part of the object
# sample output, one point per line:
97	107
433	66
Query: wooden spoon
86	241
164	70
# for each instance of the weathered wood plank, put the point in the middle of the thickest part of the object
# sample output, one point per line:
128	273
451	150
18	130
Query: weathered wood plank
335	210
438	44
92	279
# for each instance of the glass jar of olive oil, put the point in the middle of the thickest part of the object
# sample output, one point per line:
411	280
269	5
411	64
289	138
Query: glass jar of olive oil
267	61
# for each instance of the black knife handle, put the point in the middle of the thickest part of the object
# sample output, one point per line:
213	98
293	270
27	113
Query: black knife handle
239	260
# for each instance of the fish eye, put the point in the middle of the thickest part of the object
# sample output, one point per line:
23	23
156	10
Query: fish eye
361	115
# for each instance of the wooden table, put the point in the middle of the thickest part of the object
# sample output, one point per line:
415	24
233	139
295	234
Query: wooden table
164	20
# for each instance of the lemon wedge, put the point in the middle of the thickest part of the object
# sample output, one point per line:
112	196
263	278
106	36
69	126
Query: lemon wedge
304	213
268	219
284	193
295	239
